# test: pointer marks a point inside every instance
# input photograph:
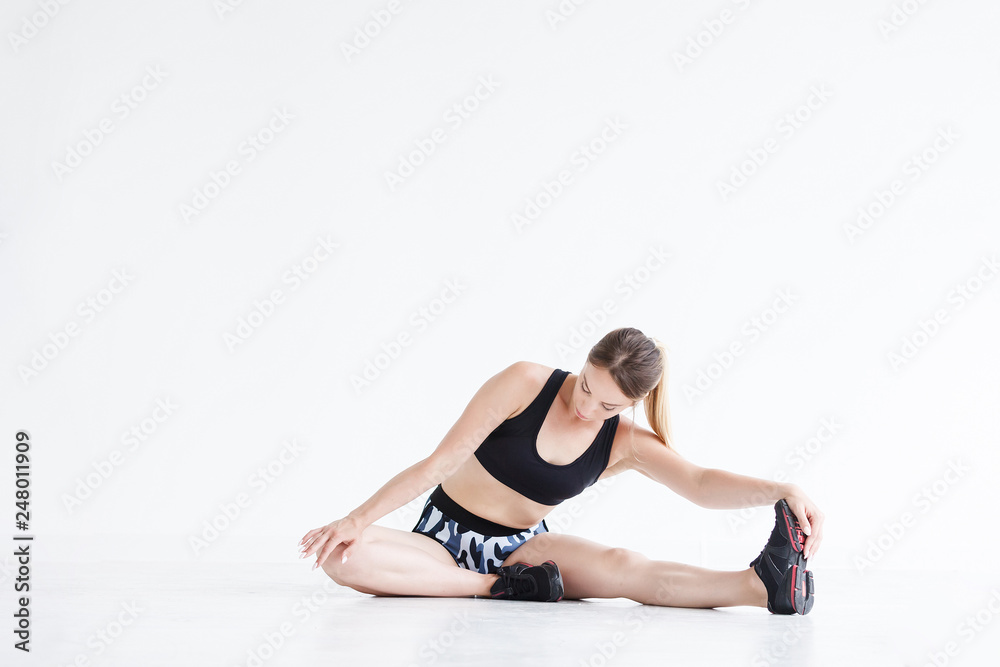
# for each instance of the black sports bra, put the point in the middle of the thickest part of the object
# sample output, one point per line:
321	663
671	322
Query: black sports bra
510	454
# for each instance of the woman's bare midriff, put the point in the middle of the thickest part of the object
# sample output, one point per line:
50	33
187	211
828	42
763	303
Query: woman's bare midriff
480	493
475	489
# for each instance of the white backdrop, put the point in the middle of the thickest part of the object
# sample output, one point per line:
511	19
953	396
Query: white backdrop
216	216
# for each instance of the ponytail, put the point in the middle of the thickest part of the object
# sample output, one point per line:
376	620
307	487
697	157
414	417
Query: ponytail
656	403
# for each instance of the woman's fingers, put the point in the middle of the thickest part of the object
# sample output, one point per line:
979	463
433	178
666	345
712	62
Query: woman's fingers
803	516
810	519
304	549
314	542
814	540
323	541
798	509
812	545
320	540
812	548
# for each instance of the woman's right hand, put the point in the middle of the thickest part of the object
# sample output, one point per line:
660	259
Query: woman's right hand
322	541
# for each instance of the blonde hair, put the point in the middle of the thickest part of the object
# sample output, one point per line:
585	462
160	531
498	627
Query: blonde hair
638	365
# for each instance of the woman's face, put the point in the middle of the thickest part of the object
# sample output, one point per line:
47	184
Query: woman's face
596	397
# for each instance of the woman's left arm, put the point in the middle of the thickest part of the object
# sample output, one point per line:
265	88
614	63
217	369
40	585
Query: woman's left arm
720	489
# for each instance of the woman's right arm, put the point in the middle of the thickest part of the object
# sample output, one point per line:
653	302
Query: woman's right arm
490	406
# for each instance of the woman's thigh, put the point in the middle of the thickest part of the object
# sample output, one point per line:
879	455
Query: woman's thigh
589	569
375	533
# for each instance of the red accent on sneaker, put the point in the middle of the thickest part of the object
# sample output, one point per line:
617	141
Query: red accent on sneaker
794	572
793	532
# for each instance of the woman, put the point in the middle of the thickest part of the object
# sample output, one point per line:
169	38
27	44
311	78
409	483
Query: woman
531	437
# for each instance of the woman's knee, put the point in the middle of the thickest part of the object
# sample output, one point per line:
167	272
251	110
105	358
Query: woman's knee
624	560
334	568
342	573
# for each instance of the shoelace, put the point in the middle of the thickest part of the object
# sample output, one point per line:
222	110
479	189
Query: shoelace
775	533
521	584
797	535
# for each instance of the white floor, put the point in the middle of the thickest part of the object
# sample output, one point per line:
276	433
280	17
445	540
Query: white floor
229	615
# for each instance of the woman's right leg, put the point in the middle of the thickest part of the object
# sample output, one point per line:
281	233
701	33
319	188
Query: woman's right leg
389	561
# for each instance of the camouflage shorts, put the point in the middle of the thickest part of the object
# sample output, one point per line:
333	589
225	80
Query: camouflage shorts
475	543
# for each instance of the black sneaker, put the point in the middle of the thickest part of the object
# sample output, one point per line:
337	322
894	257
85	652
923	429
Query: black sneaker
516	568
782	567
520	581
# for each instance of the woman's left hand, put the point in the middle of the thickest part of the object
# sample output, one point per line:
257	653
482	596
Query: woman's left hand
810	518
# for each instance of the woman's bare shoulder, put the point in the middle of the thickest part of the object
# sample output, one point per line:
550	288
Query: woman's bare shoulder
526	378
530	370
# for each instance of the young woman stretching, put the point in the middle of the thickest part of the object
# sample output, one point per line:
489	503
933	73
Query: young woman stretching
530	438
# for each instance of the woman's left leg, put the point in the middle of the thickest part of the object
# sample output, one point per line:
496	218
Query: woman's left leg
592	570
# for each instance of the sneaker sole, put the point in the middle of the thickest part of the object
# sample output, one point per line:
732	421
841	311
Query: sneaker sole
798	581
